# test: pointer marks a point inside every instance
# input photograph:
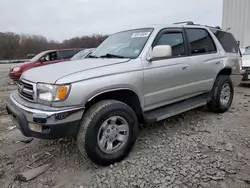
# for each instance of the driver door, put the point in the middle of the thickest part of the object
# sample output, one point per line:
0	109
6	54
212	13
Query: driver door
166	80
51	58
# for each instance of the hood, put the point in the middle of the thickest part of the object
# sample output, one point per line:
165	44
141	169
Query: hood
20	64
52	73
246	61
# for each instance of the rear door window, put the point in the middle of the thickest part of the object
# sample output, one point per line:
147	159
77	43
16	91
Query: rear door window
227	41
67	54
200	41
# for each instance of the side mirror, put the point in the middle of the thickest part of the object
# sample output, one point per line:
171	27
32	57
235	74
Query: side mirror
161	51
42	59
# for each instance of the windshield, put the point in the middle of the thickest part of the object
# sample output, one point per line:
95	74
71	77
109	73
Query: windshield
80	55
247	52
126	44
38	56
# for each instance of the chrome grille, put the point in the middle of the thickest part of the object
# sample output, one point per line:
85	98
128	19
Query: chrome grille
26	90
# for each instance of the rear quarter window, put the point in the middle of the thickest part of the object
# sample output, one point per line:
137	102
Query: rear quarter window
227	41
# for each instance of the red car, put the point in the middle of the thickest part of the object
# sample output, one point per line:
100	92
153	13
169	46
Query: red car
41	59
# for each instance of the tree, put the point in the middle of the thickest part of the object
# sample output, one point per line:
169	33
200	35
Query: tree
14	46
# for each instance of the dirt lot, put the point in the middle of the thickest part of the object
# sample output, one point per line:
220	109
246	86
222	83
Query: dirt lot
195	149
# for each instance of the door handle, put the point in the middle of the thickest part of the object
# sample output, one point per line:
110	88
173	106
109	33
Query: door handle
185	67
218	62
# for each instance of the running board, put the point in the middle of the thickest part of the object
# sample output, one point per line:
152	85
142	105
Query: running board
176	108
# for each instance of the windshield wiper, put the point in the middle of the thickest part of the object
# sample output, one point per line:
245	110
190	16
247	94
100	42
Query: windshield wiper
92	56
112	56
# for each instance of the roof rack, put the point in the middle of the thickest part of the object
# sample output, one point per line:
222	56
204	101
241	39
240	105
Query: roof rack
185	22
212	27
192	23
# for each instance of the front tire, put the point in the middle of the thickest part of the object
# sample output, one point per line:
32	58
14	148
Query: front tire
108	132
222	94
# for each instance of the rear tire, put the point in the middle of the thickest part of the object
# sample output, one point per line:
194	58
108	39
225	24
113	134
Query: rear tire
107	124
222	94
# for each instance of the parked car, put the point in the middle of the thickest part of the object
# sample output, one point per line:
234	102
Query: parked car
134	76
82	54
246	67
29	56
41	59
16	61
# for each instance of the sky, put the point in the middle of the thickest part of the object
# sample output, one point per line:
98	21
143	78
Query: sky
64	19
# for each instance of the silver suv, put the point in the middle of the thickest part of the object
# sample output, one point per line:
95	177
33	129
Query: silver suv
136	76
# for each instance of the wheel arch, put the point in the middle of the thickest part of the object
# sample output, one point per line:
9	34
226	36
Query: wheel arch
125	95
225	71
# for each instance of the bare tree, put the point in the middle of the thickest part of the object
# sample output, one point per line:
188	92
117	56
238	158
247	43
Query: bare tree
14	46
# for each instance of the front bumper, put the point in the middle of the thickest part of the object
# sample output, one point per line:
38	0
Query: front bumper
53	122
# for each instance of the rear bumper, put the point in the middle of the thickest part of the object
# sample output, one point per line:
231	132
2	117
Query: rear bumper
236	78
53	123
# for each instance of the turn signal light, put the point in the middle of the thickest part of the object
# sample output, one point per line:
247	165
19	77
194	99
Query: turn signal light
62	93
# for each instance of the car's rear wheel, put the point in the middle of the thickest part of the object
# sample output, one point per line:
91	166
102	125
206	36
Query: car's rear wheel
108	132
222	94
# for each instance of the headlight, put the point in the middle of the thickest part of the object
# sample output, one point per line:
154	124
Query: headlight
16	69
50	93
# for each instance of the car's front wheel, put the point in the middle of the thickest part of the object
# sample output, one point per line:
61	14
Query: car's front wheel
108	132
222	94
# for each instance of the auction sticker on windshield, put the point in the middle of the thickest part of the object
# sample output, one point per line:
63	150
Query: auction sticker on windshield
140	34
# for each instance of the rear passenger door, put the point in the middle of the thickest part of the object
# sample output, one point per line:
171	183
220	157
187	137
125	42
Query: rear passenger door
204	59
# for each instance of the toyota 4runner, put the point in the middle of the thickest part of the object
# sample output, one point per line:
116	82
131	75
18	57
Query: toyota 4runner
136	76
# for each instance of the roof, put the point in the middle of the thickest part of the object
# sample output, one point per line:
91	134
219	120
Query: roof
64	49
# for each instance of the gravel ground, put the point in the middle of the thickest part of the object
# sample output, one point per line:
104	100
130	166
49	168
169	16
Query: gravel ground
194	149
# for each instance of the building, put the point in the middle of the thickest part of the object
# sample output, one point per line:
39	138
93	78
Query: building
236	19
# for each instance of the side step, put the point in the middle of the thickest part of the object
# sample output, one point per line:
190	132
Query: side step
176	108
